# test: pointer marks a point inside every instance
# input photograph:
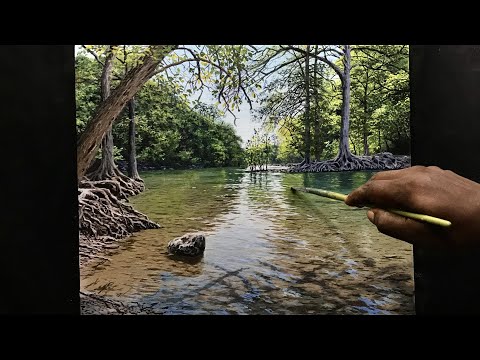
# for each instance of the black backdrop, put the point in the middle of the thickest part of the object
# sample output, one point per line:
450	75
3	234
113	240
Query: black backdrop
445	128
38	233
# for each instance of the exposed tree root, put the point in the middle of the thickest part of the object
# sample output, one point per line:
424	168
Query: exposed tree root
111	178
103	218
349	162
92	304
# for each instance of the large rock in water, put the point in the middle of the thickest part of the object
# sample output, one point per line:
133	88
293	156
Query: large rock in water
188	245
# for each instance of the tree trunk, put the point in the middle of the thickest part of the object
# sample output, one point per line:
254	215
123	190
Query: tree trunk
344	152
132	154
365	118
107	164
366	151
109	109
307	106
266	153
316	136
354	148
379	141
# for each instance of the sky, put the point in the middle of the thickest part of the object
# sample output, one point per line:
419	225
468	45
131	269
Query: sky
244	123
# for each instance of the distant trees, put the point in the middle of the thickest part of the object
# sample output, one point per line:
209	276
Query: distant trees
354	97
260	151
168	131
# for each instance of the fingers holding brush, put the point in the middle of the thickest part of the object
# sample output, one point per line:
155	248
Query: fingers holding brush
382	193
424	190
408	230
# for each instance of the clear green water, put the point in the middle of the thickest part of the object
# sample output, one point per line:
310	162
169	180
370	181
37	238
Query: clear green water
268	251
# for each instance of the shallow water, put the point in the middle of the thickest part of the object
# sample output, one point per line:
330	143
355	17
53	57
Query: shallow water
268	250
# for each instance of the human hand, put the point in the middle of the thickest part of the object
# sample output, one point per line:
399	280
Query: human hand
426	190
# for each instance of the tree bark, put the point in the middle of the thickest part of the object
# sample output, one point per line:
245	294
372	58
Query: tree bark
316	136
132	154
344	150
307	106
109	109
379	141
107	164
366	151
354	148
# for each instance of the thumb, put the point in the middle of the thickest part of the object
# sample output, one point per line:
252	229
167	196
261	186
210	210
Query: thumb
406	229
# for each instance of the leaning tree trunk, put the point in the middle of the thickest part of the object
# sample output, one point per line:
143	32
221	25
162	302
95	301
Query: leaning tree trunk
132	155
103	216
344	154
307	107
105	170
109	109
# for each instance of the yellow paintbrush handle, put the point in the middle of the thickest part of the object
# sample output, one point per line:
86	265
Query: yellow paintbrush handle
341	197
426	218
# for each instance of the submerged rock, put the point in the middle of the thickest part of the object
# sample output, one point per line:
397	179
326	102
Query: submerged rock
188	245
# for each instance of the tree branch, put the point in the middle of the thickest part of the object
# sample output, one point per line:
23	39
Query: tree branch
339	72
91	52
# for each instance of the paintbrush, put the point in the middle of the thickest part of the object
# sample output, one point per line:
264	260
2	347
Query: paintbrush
341	197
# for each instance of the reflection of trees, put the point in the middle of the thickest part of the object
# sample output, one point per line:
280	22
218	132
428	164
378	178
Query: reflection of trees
263	189
315	237
309	245
190	194
342	181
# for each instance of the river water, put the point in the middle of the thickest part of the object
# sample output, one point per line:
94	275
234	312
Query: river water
268	250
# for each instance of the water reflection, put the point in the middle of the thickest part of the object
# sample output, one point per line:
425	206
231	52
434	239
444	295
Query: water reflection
268	250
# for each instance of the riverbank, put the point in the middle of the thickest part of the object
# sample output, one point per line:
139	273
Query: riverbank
147	166
94	251
377	162
381	161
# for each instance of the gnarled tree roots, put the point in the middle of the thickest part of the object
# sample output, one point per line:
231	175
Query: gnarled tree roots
104	218
120	185
350	162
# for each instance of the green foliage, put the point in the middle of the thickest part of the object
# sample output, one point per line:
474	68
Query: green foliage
379	106
173	130
169	132
87	89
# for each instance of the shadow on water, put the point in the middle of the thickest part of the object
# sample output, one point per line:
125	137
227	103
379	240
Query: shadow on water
186	259
268	250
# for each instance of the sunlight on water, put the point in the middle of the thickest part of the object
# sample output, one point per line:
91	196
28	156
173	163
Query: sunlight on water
268	251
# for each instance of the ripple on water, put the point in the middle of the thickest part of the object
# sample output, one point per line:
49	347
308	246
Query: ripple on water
268	251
